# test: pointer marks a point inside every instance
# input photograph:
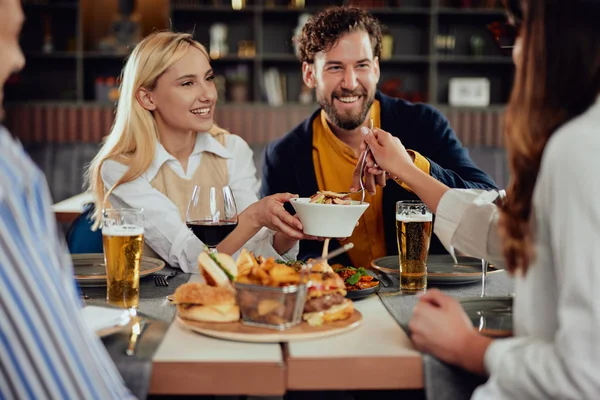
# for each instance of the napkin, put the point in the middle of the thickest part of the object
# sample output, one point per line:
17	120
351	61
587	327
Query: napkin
99	318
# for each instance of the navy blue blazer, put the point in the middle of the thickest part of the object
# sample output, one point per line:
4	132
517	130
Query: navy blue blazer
288	164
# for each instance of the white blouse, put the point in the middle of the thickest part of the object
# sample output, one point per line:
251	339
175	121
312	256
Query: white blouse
164	231
555	353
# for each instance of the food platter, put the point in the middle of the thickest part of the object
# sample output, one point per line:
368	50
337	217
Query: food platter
441	269
260	300
237	331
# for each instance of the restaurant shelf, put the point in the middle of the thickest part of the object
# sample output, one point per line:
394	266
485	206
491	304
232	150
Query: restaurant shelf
415	61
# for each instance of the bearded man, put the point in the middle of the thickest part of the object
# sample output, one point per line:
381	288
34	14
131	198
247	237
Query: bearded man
340	48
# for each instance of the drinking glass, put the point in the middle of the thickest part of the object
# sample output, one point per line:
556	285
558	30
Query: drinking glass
484	264
484	268
212	214
123	242
413	233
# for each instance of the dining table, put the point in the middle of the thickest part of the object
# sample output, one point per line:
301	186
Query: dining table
66	211
173	360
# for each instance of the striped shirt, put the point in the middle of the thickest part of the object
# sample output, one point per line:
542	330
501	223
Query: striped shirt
46	351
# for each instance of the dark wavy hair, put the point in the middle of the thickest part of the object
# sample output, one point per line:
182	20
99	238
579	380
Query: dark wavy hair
558	79
322	31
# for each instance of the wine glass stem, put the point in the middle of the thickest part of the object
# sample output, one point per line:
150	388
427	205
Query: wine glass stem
484	268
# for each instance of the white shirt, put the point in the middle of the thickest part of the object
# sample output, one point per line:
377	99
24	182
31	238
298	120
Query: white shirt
555	353
164	230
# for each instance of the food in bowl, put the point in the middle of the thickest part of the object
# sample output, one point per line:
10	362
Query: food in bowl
328	220
328	197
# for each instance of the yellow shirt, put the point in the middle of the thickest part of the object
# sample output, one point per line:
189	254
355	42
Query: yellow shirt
334	162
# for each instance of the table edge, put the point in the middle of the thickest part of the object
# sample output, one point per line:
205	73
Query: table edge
218	378
313	373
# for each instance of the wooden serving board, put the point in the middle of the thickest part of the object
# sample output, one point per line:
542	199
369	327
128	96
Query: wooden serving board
239	332
496	333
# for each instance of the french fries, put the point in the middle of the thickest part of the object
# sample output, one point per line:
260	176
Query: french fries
268	273
266	306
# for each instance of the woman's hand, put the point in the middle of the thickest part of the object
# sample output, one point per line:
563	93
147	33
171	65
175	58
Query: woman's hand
387	154
373	175
269	212
440	327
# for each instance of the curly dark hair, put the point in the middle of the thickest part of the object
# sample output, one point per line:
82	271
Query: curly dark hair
322	31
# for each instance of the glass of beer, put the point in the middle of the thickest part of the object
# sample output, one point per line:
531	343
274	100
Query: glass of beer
123	241
413	233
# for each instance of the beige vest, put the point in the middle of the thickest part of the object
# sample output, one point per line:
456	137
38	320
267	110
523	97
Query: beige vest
212	171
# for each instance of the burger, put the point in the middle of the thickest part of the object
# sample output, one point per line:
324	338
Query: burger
204	303
217	269
326	299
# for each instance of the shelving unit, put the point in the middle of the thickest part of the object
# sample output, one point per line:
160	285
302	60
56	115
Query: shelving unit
418	67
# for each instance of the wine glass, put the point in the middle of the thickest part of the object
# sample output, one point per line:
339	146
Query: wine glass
212	214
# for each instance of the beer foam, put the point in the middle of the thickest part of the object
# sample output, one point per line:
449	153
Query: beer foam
414	218
123	230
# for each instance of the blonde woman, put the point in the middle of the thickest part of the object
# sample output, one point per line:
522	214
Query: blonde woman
164	141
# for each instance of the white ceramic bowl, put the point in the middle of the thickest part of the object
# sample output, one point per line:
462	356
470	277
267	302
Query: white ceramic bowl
328	220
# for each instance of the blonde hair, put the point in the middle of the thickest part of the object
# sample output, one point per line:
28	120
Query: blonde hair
133	135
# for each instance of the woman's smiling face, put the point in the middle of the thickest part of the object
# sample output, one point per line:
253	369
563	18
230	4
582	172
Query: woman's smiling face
185	95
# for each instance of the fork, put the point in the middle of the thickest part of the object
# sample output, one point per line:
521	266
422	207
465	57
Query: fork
362	166
360	180
362	169
162	280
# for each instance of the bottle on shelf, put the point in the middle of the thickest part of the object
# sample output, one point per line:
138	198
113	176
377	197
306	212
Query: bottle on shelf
218	40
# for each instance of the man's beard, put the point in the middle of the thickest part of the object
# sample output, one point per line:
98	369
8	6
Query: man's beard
346	121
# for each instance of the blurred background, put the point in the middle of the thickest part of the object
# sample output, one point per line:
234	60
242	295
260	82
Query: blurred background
62	104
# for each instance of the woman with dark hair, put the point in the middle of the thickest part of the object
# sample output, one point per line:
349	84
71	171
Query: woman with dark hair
546	232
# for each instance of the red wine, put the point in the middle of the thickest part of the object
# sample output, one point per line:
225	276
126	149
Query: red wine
211	233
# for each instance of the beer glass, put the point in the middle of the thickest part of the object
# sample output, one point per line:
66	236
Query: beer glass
413	233
123	241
